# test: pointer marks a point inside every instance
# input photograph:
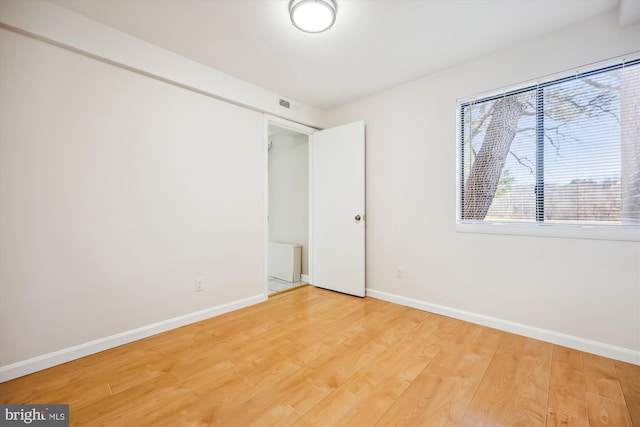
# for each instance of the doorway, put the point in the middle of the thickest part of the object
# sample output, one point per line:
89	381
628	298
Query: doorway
334	171
288	206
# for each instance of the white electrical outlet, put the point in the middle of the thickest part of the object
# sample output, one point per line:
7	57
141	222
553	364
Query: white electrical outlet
199	285
399	272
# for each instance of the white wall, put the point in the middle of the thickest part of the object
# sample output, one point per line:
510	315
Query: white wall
116	191
289	192
51	22
584	293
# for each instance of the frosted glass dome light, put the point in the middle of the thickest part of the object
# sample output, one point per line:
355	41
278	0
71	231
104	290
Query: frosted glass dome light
313	16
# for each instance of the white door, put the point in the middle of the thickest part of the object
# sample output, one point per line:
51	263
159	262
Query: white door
337	209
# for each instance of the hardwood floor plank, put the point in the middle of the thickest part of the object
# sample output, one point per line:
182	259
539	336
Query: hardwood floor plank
310	385
512	343
441	393
564	354
528	403
410	406
319	358
449	404
601	378
605	412
373	404
258	370
242	386
138	405
15	393
79	394
489	404
380	382
276	415
536	348
567	405
330	410
629	377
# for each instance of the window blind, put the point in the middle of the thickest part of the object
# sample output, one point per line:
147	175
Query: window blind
566	151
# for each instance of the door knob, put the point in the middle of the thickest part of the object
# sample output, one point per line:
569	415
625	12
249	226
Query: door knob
358	217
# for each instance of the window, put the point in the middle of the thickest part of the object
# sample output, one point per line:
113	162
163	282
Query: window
564	152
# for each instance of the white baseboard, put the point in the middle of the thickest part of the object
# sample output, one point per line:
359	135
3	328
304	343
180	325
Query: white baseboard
589	346
29	366
304	278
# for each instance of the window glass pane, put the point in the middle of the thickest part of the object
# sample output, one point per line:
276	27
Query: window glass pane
630	143
500	159
582	150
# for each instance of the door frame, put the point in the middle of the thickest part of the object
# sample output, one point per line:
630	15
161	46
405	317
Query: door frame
304	130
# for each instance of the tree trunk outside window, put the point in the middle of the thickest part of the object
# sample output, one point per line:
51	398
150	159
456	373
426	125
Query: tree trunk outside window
484	177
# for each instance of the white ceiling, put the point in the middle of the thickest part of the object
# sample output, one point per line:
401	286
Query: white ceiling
374	44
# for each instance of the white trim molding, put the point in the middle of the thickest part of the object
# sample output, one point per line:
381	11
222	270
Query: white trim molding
578	343
619	233
29	366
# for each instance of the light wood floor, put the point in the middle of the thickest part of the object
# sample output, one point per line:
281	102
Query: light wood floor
318	358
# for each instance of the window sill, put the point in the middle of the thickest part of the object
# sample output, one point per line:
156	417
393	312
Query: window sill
546	230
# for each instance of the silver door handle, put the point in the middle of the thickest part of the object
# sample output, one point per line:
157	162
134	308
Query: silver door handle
358	217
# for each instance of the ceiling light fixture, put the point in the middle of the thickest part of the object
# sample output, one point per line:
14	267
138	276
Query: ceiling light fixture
313	16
